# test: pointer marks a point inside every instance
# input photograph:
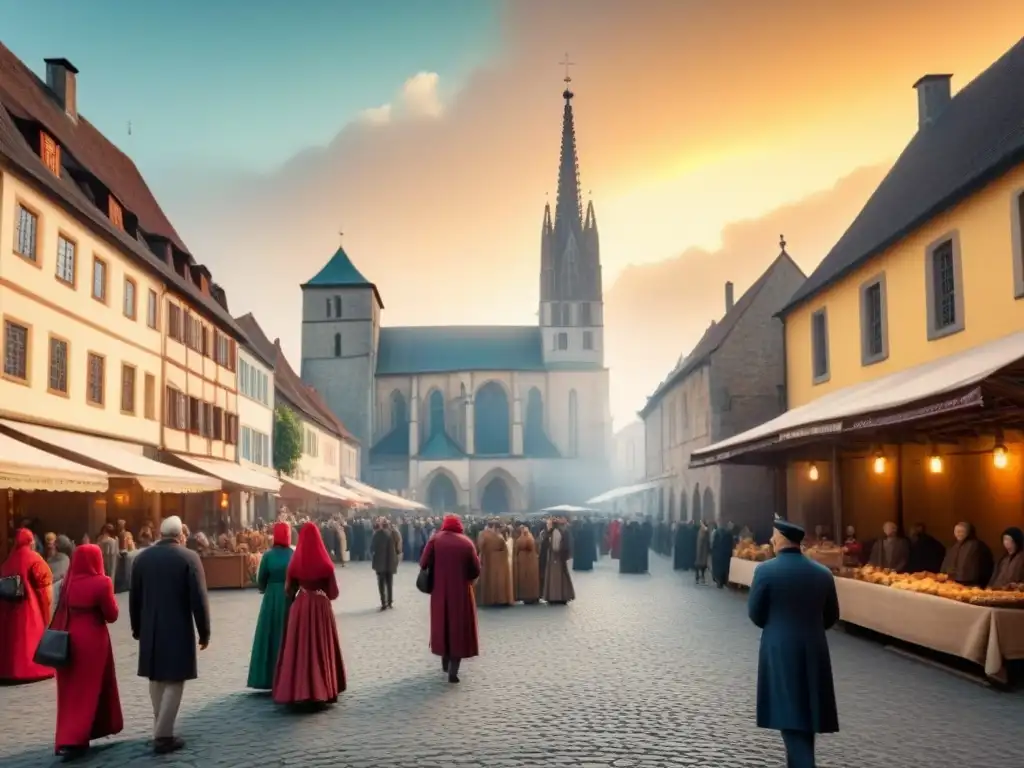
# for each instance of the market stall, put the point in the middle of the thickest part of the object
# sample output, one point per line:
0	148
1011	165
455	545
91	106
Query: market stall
230	570
741	571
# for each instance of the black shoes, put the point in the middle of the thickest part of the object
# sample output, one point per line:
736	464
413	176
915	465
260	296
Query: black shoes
69	754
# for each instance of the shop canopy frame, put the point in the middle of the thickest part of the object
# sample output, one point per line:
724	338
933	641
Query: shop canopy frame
24	467
624	491
231	474
971	394
384	500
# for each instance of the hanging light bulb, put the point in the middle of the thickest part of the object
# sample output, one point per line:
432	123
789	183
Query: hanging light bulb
935	464
812	473
879	463
1000	456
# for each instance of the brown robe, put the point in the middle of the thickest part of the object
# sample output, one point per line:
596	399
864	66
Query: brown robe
495	587
557	581
700	560
965	562
1009	570
526	568
891	553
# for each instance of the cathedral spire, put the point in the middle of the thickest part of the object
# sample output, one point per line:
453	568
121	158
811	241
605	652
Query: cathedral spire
568	208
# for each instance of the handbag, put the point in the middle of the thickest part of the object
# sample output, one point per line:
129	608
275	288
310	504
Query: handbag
12	589
54	649
425	580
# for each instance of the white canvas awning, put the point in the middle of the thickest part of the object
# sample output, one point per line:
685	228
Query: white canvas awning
26	468
625	490
839	410
308	488
383	499
347	494
232	473
153	476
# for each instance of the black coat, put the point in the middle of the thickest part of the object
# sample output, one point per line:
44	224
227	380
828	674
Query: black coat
168	594
793	600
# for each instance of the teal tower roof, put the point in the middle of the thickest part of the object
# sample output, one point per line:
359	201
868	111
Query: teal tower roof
340	272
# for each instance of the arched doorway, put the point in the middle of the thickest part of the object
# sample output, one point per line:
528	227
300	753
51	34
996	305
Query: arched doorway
709	504
441	494
695	511
495	500
491	426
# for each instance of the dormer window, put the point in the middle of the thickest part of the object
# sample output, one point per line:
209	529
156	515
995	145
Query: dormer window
49	151
114	212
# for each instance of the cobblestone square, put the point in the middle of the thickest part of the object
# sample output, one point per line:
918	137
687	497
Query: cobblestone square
639	671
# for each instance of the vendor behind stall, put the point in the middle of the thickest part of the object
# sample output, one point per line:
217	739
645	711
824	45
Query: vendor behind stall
969	560
891	551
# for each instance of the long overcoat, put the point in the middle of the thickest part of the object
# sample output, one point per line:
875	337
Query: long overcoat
168	608
793	600
455	563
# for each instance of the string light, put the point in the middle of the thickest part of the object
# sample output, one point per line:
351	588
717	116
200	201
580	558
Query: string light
879	464
935	464
1000	457
812	473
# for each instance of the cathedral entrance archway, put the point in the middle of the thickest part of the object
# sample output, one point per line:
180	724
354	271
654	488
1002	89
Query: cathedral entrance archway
441	494
492	421
496	498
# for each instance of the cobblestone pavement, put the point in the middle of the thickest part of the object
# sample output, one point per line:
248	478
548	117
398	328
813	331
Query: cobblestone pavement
640	671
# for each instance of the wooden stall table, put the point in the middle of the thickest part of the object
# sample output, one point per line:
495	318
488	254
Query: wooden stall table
986	636
741	571
226	571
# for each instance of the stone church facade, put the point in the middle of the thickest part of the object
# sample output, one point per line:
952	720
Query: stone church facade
491	419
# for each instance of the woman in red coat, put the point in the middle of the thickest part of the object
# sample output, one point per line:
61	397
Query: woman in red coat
455	564
615	538
88	704
310	669
23	621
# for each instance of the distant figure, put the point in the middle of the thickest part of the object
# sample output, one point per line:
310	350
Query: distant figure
385	554
969	561
88	703
558	588
270	626
891	551
926	552
793	600
168	607
453	560
526	567
703	552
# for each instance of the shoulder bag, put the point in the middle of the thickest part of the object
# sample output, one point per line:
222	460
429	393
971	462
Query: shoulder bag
54	649
425	579
12	589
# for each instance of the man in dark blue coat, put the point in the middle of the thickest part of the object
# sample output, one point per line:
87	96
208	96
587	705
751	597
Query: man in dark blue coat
793	600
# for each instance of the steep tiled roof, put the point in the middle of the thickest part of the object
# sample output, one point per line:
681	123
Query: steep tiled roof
340	272
714	336
25	98
443	349
977	138
254	338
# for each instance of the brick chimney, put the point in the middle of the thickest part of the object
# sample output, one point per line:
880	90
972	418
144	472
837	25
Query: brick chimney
61	79
729	296
934	92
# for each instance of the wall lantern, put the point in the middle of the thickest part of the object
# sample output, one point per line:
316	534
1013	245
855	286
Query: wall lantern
935	464
223	500
879	464
121	498
1000	456
812	473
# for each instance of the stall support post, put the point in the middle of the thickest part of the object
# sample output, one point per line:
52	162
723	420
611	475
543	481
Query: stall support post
898	480
837	496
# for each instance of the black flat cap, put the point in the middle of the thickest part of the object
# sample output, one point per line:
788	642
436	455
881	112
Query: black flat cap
791	531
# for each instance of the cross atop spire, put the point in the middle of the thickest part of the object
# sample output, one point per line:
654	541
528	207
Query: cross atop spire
782	242
567	94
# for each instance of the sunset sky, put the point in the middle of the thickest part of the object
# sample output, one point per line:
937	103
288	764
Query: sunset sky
428	132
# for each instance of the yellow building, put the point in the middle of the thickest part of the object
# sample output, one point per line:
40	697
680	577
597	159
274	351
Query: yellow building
116	343
901	346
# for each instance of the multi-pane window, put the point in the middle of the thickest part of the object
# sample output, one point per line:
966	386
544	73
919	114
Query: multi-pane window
312	444
152	310
195	415
175	327
944	286
26	227
15	350
254	446
65	260
819	344
128	389
225	351
218	423
129	298
149	396
94	382
58	381
99	279
175	409
873	326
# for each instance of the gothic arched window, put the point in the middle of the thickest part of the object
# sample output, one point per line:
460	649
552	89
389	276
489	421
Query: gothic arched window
533	437
574	424
436	412
337	345
491	428
399	415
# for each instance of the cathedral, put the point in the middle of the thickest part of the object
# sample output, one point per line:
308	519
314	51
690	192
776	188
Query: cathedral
477	419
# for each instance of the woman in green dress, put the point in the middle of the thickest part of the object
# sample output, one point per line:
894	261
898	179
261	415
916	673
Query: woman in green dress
273	611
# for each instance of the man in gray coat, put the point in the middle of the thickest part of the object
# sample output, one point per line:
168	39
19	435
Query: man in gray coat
385	552
168	595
